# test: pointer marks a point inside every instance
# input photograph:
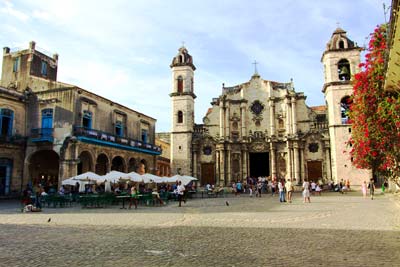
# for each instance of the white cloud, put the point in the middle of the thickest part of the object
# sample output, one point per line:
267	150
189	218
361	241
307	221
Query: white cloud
8	9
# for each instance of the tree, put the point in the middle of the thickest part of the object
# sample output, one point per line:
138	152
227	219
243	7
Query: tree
375	114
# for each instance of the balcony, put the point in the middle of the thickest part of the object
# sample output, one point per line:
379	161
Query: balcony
12	139
106	139
39	135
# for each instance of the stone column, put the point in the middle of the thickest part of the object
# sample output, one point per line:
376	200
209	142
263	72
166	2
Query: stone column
294	115
273	160
227	130
272	116
222	167
296	162
288	114
228	166
194	162
289	160
221	120
217	168
244	162
302	170
243	119
328	163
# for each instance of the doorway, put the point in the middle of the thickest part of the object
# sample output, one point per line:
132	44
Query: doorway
314	170
259	164
207	173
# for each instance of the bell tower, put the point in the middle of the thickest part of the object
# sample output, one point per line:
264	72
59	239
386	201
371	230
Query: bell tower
182	100
341	59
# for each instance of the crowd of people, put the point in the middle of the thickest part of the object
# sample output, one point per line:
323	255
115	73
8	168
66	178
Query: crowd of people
32	195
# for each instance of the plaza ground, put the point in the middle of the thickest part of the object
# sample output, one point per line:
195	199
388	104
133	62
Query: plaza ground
333	230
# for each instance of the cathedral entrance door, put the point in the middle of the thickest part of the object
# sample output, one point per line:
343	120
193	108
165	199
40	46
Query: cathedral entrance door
259	164
207	173
314	170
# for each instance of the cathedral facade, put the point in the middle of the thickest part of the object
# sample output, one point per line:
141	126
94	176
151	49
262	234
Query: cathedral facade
264	128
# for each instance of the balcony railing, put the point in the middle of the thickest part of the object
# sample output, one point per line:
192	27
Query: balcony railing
101	137
42	135
12	139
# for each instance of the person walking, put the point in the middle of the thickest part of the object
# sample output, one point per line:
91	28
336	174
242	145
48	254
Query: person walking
281	191
364	189
289	190
306	191
371	187
181	193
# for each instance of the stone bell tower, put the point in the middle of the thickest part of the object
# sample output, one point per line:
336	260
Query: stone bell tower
341	59
182	100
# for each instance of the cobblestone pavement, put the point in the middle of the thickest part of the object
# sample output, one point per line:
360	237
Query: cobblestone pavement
334	230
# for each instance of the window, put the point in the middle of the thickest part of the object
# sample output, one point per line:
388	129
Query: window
344	70
6	120
16	65
341	44
180	116
144	135
180	84
345	104
47	118
87	119
43	70
119	128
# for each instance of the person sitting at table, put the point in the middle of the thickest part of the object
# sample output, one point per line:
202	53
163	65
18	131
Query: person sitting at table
134	197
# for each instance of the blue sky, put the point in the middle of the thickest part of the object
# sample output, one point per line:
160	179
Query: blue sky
122	49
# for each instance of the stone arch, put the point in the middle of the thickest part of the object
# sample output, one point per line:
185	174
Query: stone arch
180	116
345	104
102	163
118	164
344	71
132	165
180	84
43	168
85	162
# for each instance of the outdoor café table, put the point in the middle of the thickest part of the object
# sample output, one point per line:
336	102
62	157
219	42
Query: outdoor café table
123	197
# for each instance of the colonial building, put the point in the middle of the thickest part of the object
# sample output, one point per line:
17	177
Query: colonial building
52	130
163	160
265	128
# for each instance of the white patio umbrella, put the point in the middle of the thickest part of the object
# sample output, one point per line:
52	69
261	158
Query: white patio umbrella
148	178
135	177
185	179
69	181
87	176
115	176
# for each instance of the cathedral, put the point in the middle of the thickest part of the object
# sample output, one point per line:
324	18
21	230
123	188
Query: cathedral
264	128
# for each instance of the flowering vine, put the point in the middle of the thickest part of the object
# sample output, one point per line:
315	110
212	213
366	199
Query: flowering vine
375	113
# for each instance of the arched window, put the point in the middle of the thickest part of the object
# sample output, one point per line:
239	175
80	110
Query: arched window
6	122
344	70
180	84
345	104
180	116
191	84
87	119
341	44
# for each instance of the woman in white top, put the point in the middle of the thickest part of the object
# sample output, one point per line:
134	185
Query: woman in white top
306	191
